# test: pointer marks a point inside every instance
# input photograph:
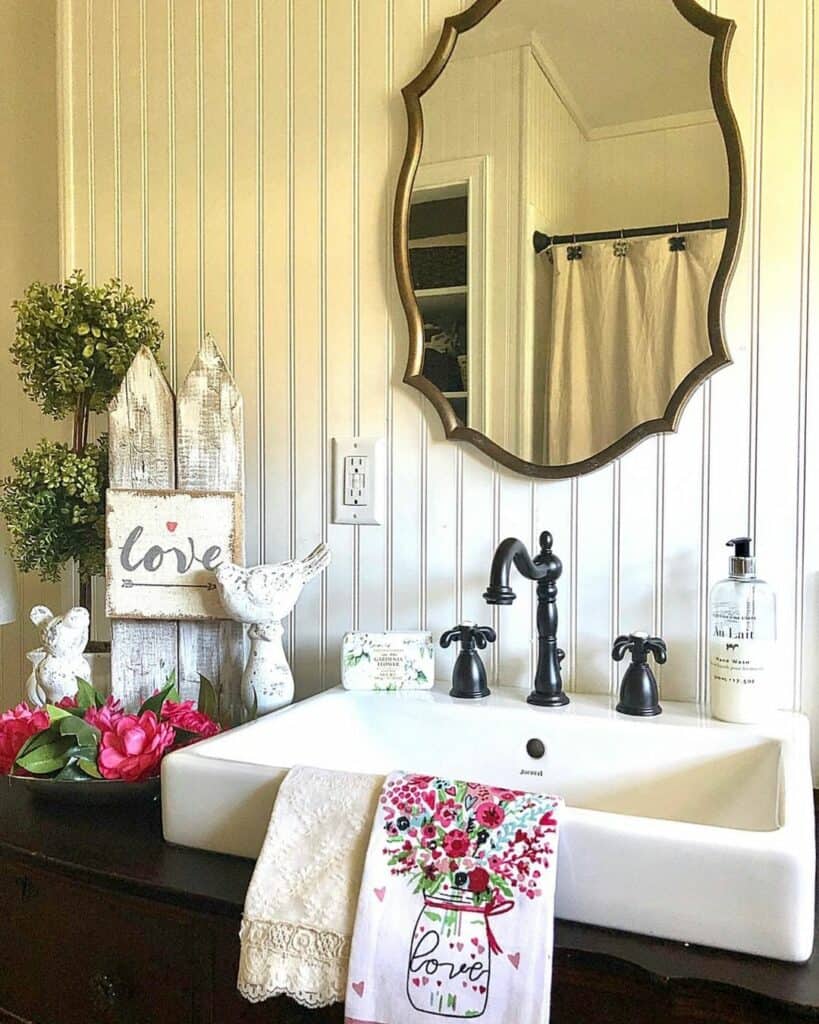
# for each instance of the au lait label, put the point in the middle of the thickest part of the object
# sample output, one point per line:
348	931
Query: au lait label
740	663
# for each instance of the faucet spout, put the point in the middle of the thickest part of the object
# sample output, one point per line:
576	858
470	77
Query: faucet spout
545	569
513	551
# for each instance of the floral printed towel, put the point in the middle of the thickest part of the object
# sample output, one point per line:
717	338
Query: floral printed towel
300	905
456	911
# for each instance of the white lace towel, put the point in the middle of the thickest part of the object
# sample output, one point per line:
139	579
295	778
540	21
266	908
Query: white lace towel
455	916
300	905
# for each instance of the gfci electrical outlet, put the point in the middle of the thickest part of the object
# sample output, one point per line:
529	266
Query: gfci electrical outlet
358	480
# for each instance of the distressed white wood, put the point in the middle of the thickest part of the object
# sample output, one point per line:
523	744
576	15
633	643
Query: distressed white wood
210	456
162	548
141	433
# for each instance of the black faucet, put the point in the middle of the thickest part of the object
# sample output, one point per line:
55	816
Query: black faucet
545	568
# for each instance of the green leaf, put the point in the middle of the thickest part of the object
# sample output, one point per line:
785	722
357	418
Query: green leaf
154	703
56	714
87	696
185	736
50	757
82	753
86	735
89	767
39	739
208	703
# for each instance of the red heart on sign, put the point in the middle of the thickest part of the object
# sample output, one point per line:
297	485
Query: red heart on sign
358	986
172	526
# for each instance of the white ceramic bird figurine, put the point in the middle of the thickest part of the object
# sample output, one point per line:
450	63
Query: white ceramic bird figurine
261	597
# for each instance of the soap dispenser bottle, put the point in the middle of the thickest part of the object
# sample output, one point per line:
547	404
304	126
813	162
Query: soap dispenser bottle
742	641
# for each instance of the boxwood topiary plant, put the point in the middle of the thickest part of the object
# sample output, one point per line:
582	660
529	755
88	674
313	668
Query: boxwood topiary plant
73	345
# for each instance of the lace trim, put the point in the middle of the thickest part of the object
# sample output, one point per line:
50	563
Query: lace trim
279	958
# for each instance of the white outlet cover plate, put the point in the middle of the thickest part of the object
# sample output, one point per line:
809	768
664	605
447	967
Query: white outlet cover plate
371	448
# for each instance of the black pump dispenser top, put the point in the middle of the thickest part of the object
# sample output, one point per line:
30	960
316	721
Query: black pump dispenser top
742	562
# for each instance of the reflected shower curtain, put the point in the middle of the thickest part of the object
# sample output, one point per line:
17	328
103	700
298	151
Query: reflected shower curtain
628	324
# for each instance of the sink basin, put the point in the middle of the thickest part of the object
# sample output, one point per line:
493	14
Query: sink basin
677	826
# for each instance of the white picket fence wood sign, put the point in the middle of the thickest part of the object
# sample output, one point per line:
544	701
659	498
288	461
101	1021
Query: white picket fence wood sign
162	548
198	446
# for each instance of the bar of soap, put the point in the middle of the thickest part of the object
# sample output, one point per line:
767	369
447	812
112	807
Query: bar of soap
388	661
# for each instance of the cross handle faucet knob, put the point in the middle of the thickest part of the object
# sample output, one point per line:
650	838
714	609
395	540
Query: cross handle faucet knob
469	635
640	645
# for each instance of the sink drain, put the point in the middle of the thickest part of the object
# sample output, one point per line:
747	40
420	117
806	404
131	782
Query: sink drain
536	748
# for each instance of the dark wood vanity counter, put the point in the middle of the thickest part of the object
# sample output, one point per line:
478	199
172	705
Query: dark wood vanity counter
102	921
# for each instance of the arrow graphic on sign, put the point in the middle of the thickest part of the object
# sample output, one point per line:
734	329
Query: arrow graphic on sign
189	586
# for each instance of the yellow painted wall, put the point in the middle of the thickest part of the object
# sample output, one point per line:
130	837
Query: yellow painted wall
29	228
237	159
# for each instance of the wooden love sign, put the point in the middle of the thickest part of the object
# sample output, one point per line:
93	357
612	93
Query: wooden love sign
190	447
162	548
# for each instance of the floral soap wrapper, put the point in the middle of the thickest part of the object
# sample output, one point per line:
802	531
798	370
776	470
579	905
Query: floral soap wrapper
455	916
388	661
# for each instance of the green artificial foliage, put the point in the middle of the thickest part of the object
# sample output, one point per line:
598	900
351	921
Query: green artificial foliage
54	506
73	345
74	342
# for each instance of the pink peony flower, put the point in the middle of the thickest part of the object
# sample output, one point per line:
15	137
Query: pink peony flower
106	717
490	814
133	749
456	843
16	726
185	716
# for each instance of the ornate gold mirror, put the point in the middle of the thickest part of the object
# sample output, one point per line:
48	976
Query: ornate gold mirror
566	221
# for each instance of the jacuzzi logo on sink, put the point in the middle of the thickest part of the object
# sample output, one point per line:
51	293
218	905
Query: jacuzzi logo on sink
532	771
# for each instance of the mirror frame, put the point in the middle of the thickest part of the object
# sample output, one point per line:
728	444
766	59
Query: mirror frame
721	30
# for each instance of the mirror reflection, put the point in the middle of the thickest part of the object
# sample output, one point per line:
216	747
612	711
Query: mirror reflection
567	220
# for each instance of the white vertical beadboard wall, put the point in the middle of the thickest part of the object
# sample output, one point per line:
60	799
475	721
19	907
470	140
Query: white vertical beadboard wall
237	160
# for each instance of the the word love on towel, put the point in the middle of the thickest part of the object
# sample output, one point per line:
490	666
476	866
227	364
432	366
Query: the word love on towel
455	916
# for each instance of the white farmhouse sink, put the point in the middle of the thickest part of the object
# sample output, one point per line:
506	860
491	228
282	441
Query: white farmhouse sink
677	826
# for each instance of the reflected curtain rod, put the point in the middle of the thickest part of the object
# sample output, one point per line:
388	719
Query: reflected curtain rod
542	241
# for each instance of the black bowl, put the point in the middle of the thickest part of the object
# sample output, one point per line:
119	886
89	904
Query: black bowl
94	793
